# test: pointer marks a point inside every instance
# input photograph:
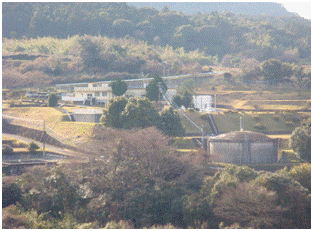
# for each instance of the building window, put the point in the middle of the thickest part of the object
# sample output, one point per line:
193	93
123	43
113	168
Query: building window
104	93
94	85
97	93
89	96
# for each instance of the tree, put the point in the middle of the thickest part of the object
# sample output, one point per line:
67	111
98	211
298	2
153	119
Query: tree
90	54
274	70
291	196
249	205
32	147
300	140
153	91
227	76
177	99
140	113
119	87
52	100
171	123
112	113
187	99
300	78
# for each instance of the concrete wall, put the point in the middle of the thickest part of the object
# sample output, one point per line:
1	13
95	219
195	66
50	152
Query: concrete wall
226	152
91	118
243	152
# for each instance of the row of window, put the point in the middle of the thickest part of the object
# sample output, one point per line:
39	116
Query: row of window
103	93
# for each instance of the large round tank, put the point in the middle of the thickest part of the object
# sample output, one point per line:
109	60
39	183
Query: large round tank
243	147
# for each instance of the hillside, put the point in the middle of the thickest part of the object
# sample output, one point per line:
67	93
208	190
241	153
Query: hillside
247	8
49	43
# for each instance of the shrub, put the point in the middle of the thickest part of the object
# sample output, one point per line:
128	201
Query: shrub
191	110
302	174
119	225
11	193
32	147
276	117
291	196
182	143
256	117
205	116
290	124
249	205
259	126
7	150
19	144
52	100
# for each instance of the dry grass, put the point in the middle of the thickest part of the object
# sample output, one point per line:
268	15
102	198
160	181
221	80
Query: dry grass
49	114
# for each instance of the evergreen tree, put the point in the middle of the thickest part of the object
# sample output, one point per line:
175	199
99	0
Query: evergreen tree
300	140
171	123
112	113
187	99
52	100
119	87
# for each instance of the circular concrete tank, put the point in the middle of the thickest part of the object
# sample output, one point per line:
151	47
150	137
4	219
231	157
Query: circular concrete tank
243	147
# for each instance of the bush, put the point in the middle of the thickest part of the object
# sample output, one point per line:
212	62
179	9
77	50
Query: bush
19	144
291	196
191	110
256	117
52	100
205	116
119	225
302	174
32	147
11	193
290	124
182	143
7	150
259	126
249	205
276	117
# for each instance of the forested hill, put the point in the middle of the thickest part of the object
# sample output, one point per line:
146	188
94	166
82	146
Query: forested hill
215	33
246	8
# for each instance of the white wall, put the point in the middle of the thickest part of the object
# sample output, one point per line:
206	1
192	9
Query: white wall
203	102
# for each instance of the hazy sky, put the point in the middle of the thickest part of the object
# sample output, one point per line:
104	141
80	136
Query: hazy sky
302	8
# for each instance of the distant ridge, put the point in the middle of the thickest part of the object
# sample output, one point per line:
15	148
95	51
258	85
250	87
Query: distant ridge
246	8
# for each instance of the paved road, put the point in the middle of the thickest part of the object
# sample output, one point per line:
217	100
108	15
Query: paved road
47	146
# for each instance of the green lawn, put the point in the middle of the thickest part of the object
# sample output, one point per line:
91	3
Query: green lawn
227	122
195	117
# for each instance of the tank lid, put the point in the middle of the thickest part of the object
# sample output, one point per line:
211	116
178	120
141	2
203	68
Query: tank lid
241	135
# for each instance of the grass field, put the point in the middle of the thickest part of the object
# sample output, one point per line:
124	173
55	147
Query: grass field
227	122
195	117
53	120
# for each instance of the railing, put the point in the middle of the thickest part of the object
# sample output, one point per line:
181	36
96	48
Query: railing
91	88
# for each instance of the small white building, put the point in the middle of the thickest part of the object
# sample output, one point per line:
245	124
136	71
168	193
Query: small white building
203	102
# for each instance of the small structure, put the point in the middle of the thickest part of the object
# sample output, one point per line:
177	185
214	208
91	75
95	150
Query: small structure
87	115
243	147
203	102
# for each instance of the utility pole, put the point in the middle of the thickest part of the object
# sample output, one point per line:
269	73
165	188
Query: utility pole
241	124
215	103
44	138
204	140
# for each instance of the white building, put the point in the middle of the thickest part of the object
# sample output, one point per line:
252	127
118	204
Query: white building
203	102
101	93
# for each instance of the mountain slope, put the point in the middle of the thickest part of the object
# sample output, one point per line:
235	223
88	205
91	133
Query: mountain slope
247	8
